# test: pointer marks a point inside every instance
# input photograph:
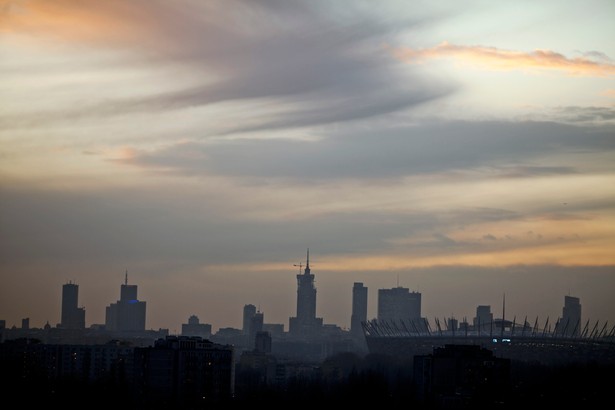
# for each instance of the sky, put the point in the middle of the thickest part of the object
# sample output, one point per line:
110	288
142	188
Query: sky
464	150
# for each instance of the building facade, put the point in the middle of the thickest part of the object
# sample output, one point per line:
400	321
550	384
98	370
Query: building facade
570	324
359	309
128	314
305	324
399	304
73	317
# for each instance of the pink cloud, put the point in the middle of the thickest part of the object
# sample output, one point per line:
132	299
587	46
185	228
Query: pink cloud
498	59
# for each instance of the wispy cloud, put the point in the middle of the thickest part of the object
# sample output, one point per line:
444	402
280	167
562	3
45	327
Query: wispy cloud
591	64
292	54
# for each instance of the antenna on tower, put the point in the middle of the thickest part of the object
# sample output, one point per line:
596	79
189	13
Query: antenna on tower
307	262
126	278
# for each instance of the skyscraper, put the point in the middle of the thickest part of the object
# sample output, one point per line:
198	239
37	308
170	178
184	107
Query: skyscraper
305	323
248	312
571	316
399	304
73	317
256	325
359	309
128	314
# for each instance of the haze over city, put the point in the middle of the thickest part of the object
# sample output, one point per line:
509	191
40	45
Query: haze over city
462	150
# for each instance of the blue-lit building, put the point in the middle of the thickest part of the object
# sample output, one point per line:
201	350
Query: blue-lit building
128	314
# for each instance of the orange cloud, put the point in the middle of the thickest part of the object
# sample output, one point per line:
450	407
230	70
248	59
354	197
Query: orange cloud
91	21
495	58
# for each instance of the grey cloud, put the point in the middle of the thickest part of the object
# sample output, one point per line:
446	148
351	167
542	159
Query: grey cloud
574	114
529	171
390	152
162	225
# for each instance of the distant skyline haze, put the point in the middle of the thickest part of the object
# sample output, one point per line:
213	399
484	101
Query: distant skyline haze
461	150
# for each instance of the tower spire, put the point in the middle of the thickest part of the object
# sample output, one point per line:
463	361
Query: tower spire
126	278
307	263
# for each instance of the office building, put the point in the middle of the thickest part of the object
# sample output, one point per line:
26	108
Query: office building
128	314
359	309
399	304
73	317
483	322
248	312
570	323
195	328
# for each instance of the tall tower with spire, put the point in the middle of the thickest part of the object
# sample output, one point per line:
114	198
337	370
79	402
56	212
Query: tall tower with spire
128	313
305	324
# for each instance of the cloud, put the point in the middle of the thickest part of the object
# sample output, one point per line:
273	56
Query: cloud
530	171
592	64
321	63
502	149
575	114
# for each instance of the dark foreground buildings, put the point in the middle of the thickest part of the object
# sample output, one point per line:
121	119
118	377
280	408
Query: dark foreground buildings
461	376
177	372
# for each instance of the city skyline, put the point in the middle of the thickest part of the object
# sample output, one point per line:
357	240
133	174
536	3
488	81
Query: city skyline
461	150
395	304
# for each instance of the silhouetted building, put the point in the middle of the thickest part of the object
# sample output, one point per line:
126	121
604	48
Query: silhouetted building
256	325
229	336
25	323
305	324
570	324
483	321
189	372
112	362
276	330
461	376
73	317
399	304
194	328
359	310
262	342
248	312
128	314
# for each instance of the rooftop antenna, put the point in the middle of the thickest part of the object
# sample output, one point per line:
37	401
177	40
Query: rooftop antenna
126	278
307	263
